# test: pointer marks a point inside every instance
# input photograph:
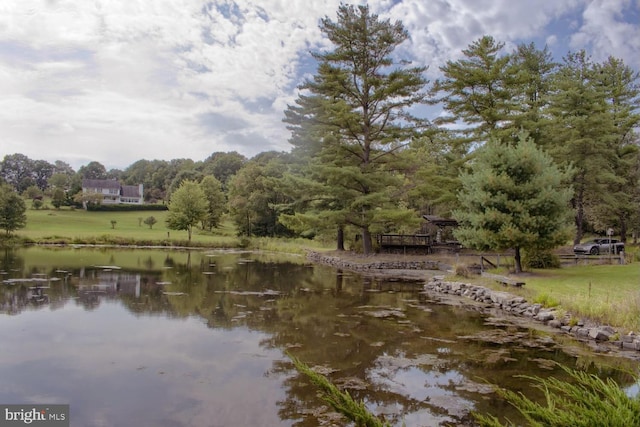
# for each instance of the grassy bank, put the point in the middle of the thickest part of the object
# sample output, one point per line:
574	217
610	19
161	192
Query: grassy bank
605	294
76	226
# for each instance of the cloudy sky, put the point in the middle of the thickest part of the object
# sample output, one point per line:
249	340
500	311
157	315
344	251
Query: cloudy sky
117	81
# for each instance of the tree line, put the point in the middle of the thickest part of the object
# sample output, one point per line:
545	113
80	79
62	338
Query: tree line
525	151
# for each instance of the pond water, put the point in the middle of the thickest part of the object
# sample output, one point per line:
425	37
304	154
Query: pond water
200	338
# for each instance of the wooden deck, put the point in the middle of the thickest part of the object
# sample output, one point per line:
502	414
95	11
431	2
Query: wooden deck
417	243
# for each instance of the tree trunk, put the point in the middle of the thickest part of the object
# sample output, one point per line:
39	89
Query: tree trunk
623	230
518	261
579	224
367	246
579	206
340	239
189	232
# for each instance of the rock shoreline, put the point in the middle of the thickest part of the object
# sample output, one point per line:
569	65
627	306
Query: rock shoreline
375	266
518	306
508	303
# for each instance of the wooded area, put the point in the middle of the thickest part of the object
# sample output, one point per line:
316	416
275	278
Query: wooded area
525	146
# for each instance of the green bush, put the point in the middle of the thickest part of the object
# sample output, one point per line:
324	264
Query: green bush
125	208
535	258
546	300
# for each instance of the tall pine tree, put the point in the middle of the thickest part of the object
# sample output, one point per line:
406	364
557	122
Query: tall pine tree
581	132
477	90
619	204
353	117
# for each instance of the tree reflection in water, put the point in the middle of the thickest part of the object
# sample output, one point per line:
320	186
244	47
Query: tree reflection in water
407	357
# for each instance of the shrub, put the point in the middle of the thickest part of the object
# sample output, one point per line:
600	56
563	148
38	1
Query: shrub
535	258
150	221
125	208
462	270
546	300
37	203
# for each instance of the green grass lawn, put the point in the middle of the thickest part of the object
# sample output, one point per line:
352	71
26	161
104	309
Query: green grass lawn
77	226
606	293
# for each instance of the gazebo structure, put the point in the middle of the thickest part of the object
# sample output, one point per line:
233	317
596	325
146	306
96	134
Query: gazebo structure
434	236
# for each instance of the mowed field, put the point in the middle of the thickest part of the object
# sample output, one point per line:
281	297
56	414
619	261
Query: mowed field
77	226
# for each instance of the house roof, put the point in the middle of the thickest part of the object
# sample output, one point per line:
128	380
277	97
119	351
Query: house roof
440	222
130	191
100	183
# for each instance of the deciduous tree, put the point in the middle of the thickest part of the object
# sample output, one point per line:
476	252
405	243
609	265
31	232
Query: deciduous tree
216	203
187	207
255	196
17	171
224	165
93	170
150	221
12	210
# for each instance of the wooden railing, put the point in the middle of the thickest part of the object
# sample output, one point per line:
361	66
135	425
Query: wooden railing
406	240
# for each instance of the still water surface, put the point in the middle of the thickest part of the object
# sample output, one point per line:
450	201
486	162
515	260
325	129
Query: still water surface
177	338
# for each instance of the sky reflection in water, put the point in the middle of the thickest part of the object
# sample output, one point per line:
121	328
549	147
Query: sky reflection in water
178	339
117	369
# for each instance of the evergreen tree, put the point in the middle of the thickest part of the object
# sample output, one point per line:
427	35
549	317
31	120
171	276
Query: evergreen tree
436	162
582	132
478	90
513	198
620	202
354	115
533	70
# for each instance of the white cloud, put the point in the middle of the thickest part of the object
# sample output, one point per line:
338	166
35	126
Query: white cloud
120	80
604	32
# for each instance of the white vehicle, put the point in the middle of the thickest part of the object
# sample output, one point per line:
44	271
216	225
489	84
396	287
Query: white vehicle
599	246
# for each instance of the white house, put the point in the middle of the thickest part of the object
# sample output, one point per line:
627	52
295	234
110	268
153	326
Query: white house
113	192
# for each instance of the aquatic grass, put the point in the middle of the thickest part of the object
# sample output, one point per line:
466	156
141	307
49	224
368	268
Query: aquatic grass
341	401
583	401
586	401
